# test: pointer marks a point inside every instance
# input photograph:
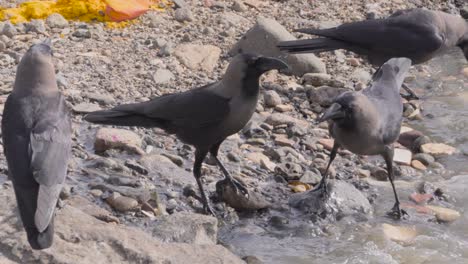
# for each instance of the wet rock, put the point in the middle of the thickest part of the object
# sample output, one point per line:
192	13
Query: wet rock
237	200
198	57
408	138
36	25
108	138
363	173
84	108
262	39
271	98
163	76
177	160
421	198
187	227
284	141
424	158
438	149
82	33
418	165
252	260
151	161
344	200
324	95
420	141
81	238
122	203
289	170
379	173
140	194
316	79
183	14
96	193
402	234
282	108
136	167
444	214
9	30
276	119
56	20
402	156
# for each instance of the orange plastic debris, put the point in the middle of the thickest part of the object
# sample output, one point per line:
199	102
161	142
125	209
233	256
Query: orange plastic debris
121	10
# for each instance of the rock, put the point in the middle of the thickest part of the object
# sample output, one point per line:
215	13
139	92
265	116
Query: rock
257	157
177	160
237	200
316	79
267	165
109	138
271	98
276	119
284	141
289	170
105	99
183	14
324	95
444	214
9	30
252	260
353	62
402	234
465	72
36	25
82	33
84	108
344	200
140	194
438	149
135	166
167	49
96	193
198	57
421	198
262	39
420	141
379	173
239	6
408	138
424	158
184	227
231	19
163	76
363	173
311	177
361	75
282	108
402	156
81	239
327	143
149	161
56	20
122	203
418	165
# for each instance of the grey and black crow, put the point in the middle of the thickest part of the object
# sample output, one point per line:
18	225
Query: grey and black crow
202	117
368	122
36	130
418	34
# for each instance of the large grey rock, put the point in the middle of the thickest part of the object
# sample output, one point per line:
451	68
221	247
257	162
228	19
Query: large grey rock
56	20
187	227
81	239
343	200
198	57
262	39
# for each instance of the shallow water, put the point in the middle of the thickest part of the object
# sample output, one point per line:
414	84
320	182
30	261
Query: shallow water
351	241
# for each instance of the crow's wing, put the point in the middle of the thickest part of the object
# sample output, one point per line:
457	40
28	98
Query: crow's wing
49	151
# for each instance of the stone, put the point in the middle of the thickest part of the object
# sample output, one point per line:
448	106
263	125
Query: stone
444	214
231	19
102	98
465	72
82	33
271	98
363	173
185	227
353	62
96	193
276	119
282	108
284	141
437	149
421	198
424	158
9	30
402	156
327	143
198	57
56	20
163	76
109	138
418	165
344	200
311	177
177	160
36	25
267	165
262	39
361	75
316	79
324	95
402	234
81	238
257	157
237	200
84	108
379	173
183	14
122	203
407	138
239	6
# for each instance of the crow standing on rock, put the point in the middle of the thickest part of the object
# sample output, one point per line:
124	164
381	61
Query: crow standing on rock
203	117
369	122
36	130
417	34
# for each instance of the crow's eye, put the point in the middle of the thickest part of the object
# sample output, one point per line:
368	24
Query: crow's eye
396	69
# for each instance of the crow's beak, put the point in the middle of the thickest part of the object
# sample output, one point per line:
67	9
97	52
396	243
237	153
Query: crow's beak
333	112
269	63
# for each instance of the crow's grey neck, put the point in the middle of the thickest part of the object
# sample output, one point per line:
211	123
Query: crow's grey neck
251	84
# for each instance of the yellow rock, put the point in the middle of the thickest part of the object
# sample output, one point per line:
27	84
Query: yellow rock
399	233
444	214
297	186
438	149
